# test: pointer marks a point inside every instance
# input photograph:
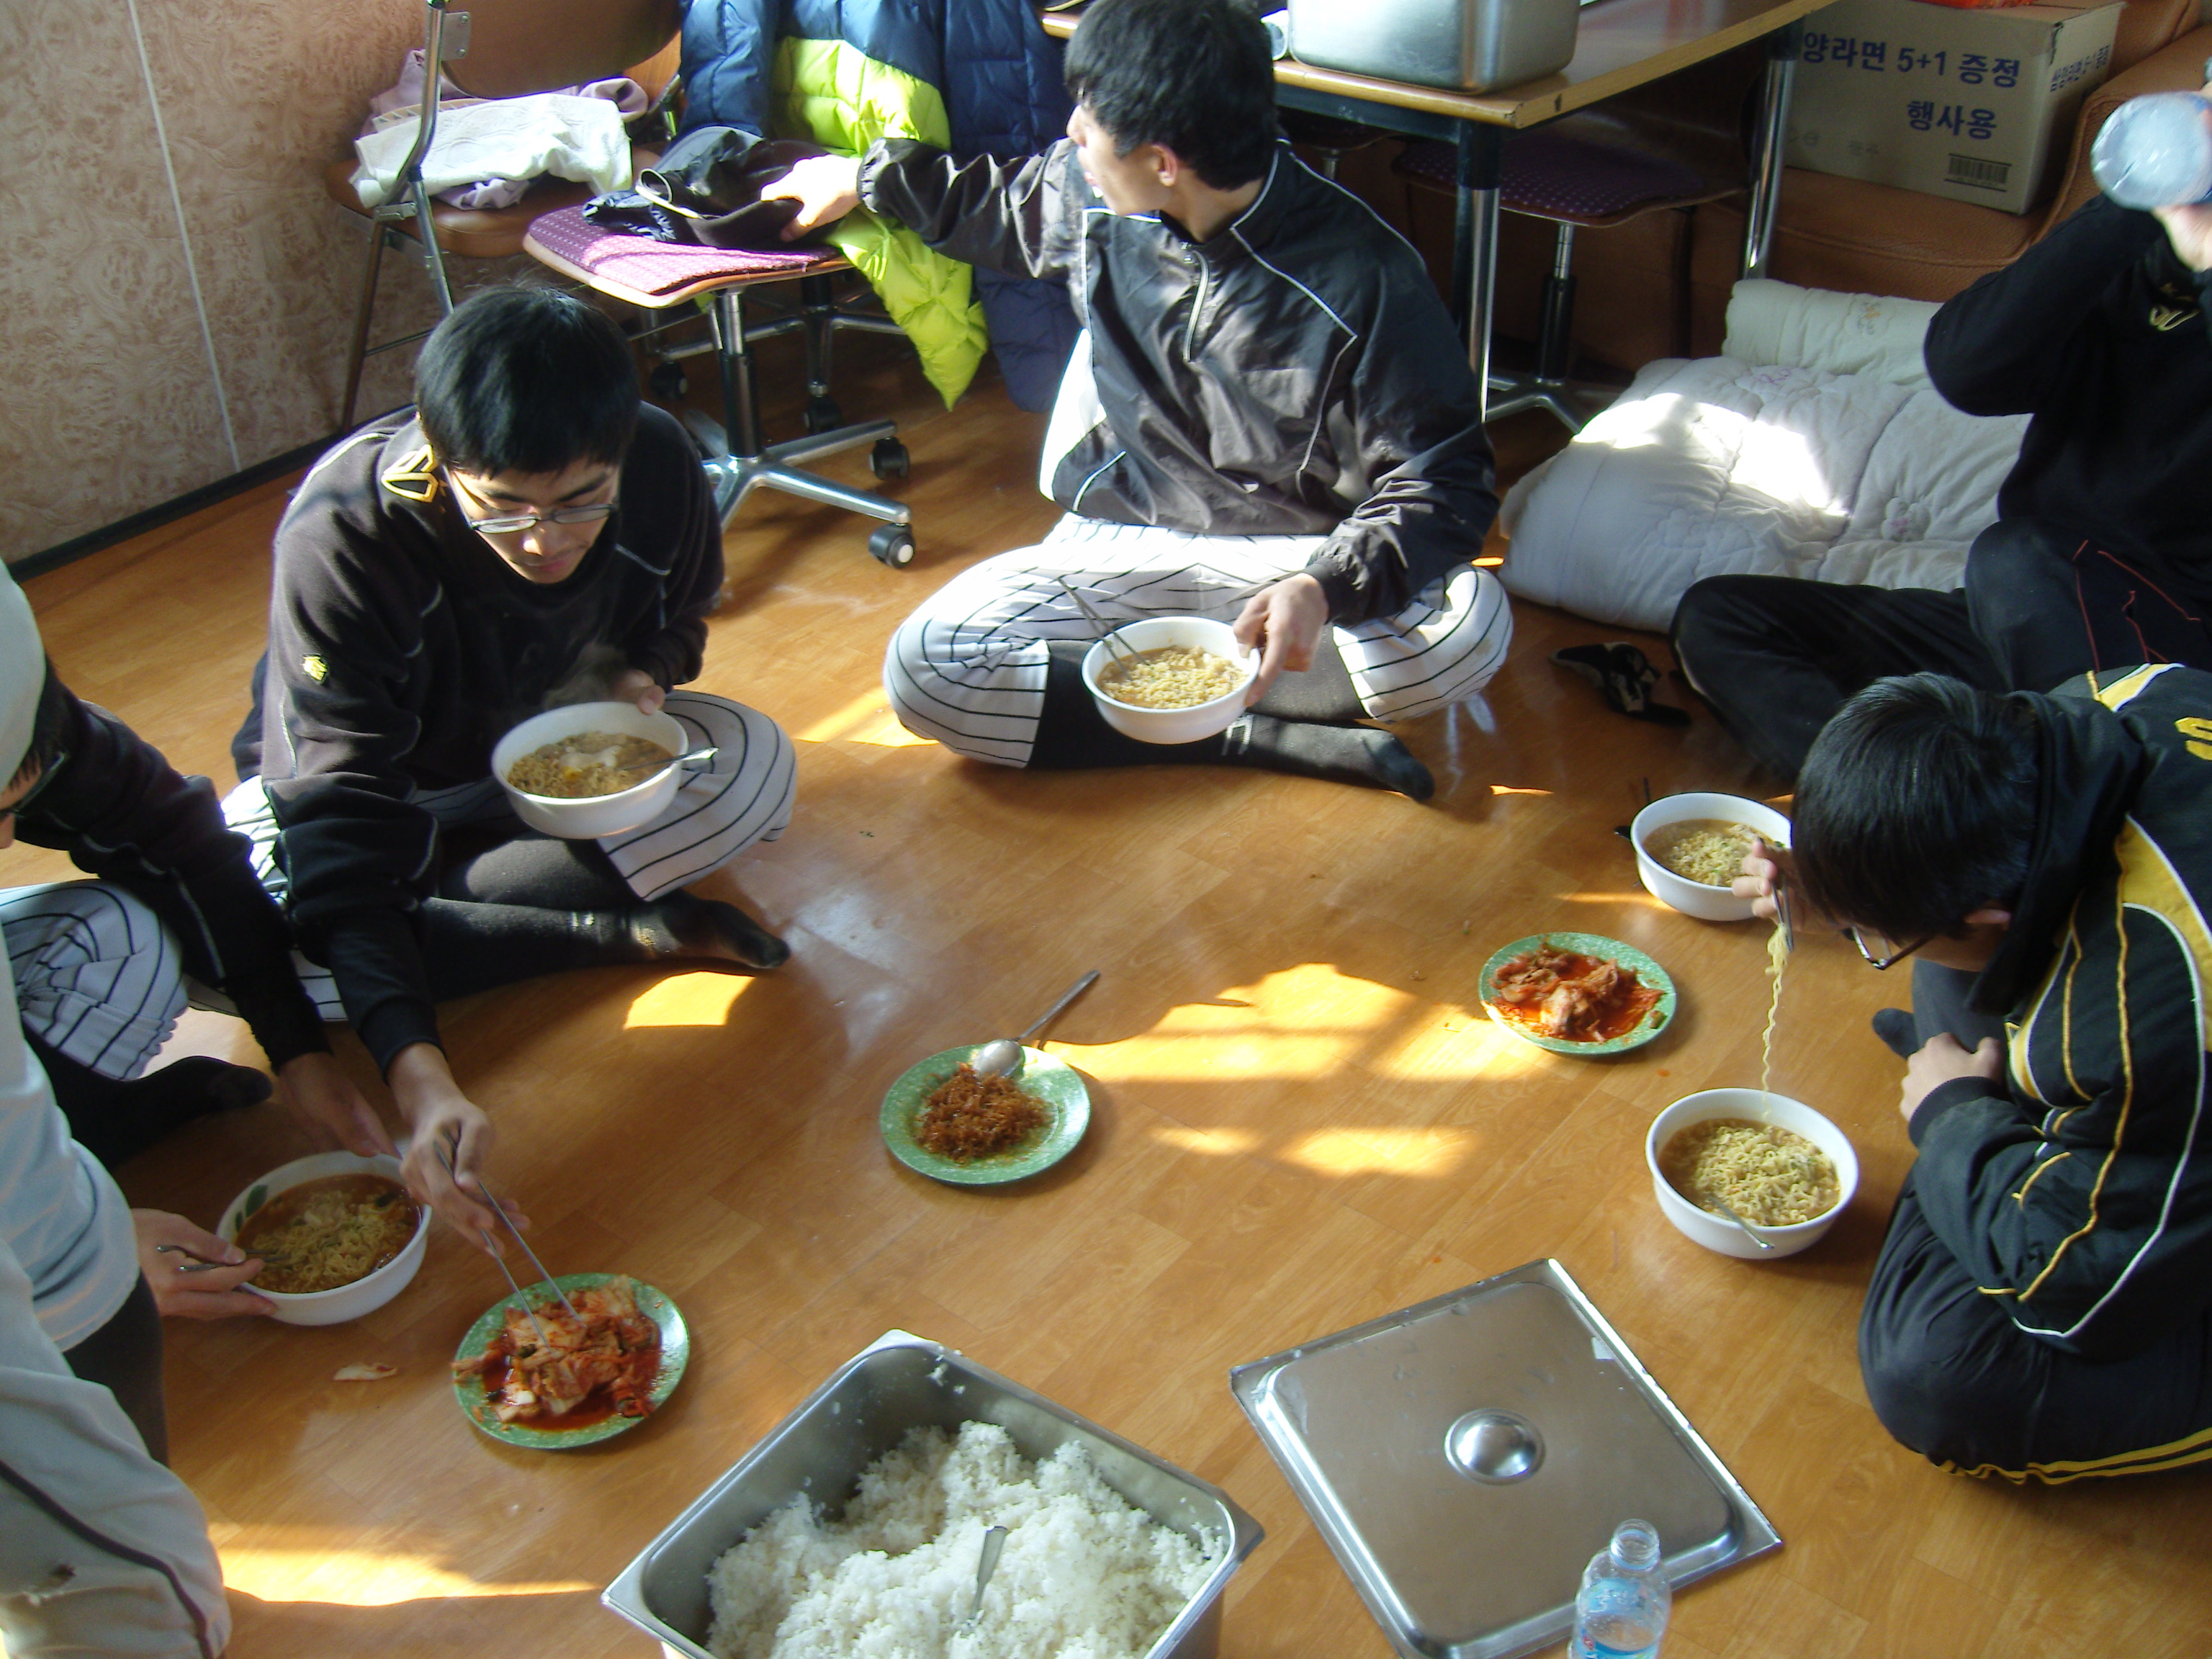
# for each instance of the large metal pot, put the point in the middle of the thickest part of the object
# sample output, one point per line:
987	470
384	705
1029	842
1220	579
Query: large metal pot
1469	45
899	1383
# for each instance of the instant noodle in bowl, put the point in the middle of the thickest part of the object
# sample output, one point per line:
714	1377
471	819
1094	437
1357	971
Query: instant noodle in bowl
1776	1174
1696	834
1189	681
610	727
350	1228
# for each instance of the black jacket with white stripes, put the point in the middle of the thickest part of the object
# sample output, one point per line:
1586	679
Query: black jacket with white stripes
123	814
401	648
1294	374
2078	1190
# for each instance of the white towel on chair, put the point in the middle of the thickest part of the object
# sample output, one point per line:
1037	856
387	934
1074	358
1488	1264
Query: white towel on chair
568	136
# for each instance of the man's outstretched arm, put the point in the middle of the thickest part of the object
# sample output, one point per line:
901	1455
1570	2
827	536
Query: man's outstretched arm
1010	216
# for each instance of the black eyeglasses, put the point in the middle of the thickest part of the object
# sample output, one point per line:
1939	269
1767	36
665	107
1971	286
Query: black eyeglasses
1880	963
47	773
511	524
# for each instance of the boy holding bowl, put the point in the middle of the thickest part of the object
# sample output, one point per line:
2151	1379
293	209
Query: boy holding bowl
527	536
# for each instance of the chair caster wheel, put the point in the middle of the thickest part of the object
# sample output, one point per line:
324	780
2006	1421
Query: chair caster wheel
888	460
822	415
892	545
667	382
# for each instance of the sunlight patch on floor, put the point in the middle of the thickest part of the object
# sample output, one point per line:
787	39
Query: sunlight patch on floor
1209	1143
1303	1022
687	1000
364	1578
1432	1152
1467	1045
1640	899
867	719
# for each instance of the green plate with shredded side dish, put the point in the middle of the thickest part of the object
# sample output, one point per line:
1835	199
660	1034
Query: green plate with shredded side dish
1052	1082
1588	944
477	1401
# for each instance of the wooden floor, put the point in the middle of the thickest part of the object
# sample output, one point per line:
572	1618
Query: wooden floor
1302	1120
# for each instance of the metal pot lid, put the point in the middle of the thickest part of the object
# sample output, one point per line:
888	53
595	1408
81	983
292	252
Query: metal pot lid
1466	1457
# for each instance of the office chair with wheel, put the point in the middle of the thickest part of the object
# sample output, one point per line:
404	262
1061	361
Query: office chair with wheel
657	276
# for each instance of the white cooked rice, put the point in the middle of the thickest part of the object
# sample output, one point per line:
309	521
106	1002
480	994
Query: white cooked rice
1082	1576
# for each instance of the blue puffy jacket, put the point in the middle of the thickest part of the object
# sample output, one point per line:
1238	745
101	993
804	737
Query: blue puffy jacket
998	74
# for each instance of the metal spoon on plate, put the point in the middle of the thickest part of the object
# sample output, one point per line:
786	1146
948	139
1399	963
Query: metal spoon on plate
1003	1057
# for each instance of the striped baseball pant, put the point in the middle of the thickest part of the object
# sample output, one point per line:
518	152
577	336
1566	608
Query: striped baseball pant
98	979
968	668
744	797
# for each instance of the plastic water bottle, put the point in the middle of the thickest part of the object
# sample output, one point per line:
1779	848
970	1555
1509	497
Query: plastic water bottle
1621	1611
2156	151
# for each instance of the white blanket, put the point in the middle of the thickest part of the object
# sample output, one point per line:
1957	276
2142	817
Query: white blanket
1815	448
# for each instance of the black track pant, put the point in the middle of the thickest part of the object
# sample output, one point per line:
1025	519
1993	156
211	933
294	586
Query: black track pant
123	1356
1775	657
2049	605
1954	1379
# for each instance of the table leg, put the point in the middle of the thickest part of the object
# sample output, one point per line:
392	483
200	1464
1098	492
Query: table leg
1474	245
1767	139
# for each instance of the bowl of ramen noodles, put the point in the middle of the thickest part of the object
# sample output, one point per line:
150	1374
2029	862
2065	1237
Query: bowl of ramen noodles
1776	1162
1177	680
591	768
1689	848
337	1235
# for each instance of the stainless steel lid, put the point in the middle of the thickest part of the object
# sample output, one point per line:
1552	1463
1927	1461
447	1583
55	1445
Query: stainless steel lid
1465	1459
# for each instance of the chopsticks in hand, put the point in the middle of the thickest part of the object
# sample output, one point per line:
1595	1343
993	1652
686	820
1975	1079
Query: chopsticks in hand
445	1158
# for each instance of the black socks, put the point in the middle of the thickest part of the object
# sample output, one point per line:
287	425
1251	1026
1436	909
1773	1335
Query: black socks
681	926
1341	754
538	904
1895	1027
1072	735
475	947
112	1120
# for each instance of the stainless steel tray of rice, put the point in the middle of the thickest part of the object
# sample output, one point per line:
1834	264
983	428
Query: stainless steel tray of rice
869	1407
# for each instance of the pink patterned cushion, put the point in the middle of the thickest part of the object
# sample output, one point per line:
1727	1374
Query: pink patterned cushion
1558	175
645	266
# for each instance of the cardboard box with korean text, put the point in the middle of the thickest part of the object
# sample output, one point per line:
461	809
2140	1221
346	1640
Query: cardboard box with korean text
1963	104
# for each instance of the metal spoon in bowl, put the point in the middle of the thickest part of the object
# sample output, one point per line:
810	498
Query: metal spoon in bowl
1003	1057
1748	1231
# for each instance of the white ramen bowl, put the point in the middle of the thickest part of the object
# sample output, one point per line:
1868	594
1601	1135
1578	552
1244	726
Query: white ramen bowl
588	816
1717	1232
365	1294
1694	898
1201	719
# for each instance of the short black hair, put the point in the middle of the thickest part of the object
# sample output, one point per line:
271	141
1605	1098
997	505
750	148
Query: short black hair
1194	76
1917	807
526	379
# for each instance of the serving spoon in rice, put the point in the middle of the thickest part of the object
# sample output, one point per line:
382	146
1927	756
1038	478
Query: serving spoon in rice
987	1563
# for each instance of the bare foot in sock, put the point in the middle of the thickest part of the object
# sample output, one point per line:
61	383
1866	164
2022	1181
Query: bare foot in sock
1341	754
683	925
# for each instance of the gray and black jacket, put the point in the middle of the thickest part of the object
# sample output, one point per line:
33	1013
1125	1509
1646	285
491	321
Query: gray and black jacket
2078	1190
1295	375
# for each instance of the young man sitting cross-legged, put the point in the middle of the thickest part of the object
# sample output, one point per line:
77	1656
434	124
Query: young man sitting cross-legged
1270	420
